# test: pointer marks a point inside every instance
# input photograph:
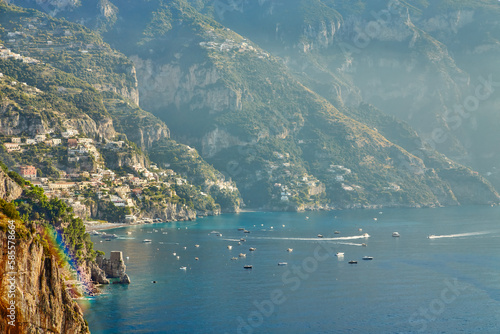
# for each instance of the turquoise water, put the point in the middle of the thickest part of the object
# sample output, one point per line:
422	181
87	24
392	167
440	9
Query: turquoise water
449	284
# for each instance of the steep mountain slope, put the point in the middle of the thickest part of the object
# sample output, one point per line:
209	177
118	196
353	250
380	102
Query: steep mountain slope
428	63
67	78
285	145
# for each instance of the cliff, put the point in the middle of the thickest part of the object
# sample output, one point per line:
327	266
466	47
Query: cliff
42	301
9	190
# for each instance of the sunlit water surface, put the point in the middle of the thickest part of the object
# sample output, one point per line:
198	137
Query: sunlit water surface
446	284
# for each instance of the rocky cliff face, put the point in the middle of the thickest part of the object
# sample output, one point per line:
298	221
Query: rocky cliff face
169	212
43	304
114	267
14	121
162	85
9	190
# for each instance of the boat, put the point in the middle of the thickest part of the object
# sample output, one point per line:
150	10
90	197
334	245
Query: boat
353	262
196	258
107	239
109	236
337	232
94	232
242	240
246	231
234	258
366	235
146	240
360	229
340	254
229	247
363	244
251	249
282	263
395	234
183	268
320	235
248	266
431	236
241	229
242	255
196	246
219	235
375	218
289	250
129	233
367	257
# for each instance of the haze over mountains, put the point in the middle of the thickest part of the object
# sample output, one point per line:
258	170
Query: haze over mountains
303	104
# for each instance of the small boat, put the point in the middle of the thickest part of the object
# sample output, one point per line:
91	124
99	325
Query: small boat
248	266
129	233
234	258
146	240
229	247
241	229
185	247
242	255
165	232
289	250
246	231
395	234
107	239
363	244
196	246
109	236
360	229
243	240
366	235
353	262
375	218
183	268
251	249
282	263
94	232
337	232
367	257
340	254
307	218
320	235
196	258
178	257
219	235
431	236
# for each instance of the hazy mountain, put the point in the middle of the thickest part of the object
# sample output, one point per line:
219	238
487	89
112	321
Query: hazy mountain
277	94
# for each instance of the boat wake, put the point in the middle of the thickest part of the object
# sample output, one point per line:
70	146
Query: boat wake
317	239
456	235
350	244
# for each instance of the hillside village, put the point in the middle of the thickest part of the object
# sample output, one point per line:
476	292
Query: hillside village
78	187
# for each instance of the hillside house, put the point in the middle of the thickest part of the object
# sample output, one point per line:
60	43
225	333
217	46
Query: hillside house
27	171
12	147
72	143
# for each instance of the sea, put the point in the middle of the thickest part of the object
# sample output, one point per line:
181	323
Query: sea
448	283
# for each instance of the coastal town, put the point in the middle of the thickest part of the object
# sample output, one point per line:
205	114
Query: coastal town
84	176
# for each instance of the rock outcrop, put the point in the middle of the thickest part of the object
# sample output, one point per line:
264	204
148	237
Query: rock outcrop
114	267
9	190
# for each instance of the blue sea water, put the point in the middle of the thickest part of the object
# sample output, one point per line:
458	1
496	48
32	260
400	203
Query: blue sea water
447	284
